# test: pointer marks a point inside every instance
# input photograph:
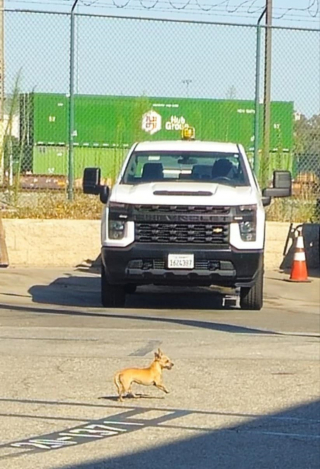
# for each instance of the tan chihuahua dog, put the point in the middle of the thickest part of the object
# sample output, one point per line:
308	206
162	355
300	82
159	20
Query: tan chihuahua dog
146	376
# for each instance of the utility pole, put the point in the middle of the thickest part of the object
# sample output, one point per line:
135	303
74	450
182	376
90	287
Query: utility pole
256	162
267	92
1	88
4	259
71	103
1	61
187	82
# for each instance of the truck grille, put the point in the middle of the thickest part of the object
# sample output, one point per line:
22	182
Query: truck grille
191	209
182	233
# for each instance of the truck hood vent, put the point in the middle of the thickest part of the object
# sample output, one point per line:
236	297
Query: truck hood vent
185	193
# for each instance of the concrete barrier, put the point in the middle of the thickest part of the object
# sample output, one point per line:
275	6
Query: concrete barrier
71	242
311	238
51	242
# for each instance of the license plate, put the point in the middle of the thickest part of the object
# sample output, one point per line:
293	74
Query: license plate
180	261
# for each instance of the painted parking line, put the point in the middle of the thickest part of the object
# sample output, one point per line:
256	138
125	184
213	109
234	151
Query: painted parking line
115	425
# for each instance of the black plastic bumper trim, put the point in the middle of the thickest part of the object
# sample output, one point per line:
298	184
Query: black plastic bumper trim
244	265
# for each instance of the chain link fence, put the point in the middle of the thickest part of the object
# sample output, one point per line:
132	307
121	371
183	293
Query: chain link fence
140	79
296	78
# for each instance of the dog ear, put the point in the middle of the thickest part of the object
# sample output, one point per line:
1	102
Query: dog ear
159	352
156	355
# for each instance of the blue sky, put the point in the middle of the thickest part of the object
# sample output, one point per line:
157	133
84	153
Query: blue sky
134	57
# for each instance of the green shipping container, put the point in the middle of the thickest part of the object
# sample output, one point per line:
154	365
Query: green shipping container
54	160
119	121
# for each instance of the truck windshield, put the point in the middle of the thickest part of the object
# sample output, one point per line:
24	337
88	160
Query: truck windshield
222	168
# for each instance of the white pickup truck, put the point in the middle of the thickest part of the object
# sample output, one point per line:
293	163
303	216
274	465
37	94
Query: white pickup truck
185	213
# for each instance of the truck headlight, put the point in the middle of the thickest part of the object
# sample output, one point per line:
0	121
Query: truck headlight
247	216
248	230
116	229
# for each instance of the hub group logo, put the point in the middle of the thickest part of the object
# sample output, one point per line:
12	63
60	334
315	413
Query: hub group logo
151	122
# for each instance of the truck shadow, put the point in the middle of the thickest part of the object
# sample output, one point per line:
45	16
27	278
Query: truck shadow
84	291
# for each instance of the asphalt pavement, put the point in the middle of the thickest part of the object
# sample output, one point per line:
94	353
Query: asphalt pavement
244	391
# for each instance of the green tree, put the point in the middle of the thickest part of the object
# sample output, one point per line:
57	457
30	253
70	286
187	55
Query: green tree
307	144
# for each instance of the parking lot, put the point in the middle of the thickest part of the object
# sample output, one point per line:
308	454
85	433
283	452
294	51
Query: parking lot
244	391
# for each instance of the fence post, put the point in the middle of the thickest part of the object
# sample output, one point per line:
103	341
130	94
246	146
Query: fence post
257	99
71	106
267	95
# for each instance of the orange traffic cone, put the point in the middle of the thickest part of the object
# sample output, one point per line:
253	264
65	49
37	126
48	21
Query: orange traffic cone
299	271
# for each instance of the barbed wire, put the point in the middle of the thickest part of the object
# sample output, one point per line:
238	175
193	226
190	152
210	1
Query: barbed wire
315	3
93	2
228	6
244	8
149	7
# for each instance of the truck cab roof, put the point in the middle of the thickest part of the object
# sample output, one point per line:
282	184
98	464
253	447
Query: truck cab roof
187	145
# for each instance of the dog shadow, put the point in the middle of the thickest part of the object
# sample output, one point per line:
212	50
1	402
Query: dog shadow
130	397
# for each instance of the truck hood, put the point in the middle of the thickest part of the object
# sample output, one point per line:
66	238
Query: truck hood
163	193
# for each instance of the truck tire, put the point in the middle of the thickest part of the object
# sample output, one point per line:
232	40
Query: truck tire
130	288
112	296
252	298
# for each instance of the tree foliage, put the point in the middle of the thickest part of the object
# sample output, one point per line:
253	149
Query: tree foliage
307	144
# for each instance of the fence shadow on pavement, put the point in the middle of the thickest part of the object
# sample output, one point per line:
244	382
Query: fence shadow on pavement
113	314
287	439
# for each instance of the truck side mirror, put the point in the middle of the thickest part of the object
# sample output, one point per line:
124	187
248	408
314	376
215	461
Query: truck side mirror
104	194
281	187
91	181
91	184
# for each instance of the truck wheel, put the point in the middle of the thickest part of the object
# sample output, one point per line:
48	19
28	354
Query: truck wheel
130	288
252	298
111	295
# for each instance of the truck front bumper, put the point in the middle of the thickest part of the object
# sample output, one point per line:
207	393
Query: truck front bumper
146	264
